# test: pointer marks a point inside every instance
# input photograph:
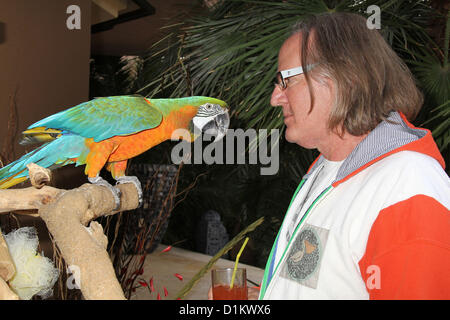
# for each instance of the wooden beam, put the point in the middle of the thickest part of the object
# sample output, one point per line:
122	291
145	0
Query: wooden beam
111	6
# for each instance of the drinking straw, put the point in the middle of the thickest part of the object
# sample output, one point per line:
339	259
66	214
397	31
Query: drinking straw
236	263
238	238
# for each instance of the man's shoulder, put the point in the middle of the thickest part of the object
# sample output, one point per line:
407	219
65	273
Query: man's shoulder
407	173
411	162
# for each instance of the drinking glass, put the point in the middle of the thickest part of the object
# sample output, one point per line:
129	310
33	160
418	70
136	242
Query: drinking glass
221	280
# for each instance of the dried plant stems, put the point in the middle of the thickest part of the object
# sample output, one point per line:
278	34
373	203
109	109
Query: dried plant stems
7	152
128	268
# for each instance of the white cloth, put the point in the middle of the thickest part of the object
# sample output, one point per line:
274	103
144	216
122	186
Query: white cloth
319	180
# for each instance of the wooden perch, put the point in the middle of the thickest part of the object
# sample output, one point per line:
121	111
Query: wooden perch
66	214
26	199
39	176
29	198
85	248
5	291
7	270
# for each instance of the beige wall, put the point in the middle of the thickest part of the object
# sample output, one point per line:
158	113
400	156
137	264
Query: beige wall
43	59
134	37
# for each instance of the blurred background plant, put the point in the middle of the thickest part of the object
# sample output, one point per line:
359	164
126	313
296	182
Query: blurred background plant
231	53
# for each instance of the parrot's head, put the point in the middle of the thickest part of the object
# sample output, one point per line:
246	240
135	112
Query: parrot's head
212	118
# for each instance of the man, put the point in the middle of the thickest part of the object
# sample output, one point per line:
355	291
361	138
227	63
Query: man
371	217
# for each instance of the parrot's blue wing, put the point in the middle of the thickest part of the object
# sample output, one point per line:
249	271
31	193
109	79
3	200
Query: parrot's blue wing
103	118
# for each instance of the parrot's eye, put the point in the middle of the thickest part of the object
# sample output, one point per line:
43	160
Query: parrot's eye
208	106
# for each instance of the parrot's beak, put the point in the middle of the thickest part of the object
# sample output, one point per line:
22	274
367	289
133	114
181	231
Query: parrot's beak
216	125
222	122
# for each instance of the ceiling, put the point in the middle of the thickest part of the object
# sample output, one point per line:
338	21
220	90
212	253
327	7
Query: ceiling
135	36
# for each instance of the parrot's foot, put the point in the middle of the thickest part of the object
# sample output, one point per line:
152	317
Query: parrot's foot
134	180
115	191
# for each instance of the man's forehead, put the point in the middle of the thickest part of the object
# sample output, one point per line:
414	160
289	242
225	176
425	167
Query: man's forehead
296	37
290	50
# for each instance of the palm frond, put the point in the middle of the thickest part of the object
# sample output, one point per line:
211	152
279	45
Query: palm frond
233	52
441	131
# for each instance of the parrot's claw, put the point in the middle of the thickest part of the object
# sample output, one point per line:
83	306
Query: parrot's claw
115	191
134	180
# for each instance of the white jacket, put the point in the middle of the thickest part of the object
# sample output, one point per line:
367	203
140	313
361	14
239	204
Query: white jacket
380	231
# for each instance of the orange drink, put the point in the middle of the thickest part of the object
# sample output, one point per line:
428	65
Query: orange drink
221	281
223	292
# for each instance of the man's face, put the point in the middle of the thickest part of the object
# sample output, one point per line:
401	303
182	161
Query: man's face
307	130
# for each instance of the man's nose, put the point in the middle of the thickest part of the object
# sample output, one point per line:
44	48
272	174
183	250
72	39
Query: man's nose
278	97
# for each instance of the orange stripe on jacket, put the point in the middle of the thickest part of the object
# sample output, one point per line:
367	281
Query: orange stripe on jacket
409	244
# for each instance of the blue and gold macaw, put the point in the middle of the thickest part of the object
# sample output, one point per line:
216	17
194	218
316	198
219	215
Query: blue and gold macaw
109	131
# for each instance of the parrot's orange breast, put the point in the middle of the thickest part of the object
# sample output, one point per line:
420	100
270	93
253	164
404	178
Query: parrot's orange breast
135	144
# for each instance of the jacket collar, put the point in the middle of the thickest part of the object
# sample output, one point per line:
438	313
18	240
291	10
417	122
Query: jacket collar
392	135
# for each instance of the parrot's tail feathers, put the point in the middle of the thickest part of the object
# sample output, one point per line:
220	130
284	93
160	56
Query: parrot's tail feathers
39	135
12	181
16	171
55	154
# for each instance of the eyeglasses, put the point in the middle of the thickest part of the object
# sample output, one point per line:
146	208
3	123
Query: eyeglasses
282	75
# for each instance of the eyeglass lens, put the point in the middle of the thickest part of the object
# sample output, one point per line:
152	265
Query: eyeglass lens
280	81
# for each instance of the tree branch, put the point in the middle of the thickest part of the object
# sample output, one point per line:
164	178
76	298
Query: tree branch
7	270
85	248
27	198
66	214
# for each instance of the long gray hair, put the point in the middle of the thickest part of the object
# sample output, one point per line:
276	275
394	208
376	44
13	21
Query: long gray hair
370	79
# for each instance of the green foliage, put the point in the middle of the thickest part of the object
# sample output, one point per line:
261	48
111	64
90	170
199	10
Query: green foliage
232	54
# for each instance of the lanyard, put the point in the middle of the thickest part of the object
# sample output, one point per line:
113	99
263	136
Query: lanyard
272	269
293	223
